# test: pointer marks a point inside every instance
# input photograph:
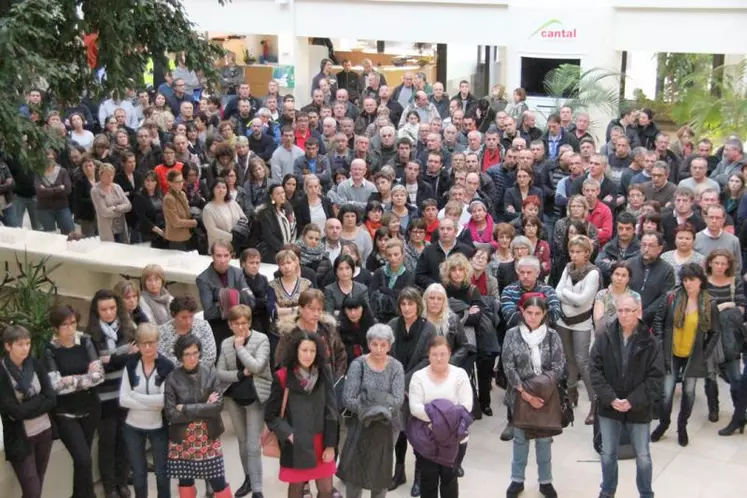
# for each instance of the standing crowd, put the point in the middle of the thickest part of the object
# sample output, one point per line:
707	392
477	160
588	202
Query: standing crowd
427	247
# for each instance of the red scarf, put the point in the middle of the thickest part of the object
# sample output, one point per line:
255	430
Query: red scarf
490	158
372	226
429	229
481	283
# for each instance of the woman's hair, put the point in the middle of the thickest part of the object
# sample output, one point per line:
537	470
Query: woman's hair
413	295
580	226
182	303
126	326
60	313
395	242
741	179
152	271
107	168
411	113
578	198
400	189
528	171
310	296
538	301
373	206
583	242
219	181
724	253
291	356
695	271
380	331
125	287
343	258
355	250
635	186
519	241
146	331
287	178
101	140
380	233
531	200
653	217
622	263
503	229
311	227
438	340
240	311
184	342
172	175
14	333
457	260
685	227
349	208
521	94
685	130
284	255
530	219
442	323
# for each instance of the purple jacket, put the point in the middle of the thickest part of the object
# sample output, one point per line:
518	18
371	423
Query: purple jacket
440	442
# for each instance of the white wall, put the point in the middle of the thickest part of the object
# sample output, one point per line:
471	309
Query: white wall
461	64
641	71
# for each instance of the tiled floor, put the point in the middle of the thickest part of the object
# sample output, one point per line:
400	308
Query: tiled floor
711	466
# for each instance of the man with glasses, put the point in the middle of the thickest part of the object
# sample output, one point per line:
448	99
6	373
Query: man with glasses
651	277
627	371
660	189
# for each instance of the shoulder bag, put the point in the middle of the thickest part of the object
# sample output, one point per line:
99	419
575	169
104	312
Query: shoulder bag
268	439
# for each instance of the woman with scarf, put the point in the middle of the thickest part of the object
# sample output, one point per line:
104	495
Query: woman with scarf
221	213
244	365
577	215
277	224
576	290
74	371
373	213
486	283
112	332
531	227
308	428
687	327
344	286
416	243
195	189
192	404
412	333
388	281
515	196
437	311
312	207
312	250
480	224
530	350
26	400
130	294
155	298
256	184
374	393
111	205
355	320
284	291
377	258
141	393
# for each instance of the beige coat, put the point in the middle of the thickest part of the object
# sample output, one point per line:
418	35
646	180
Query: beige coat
178	218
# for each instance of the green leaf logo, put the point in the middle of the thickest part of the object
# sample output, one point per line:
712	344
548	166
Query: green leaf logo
551	22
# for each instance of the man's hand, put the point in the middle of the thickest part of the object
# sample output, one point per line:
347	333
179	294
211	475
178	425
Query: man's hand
621	405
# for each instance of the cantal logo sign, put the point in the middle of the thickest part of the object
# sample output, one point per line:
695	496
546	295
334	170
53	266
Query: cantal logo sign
554	29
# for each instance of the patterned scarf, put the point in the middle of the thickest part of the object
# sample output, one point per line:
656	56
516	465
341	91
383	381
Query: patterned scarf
704	309
110	333
159	305
23	377
306	378
310	255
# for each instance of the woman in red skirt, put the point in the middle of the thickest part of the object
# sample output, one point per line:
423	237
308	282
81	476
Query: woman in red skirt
307	431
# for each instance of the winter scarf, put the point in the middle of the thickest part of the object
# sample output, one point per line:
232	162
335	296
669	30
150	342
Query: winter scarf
487	233
481	283
578	274
23	376
110	333
310	255
159	305
306	378
393	275
534	339
704	309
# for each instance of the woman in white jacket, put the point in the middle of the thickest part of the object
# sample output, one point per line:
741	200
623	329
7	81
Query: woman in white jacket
576	290
141	393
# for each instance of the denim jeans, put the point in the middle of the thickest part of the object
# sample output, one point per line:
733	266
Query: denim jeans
543	450
688	393
8	217
52	219
248	422
732	371
23	204
640	438
159	440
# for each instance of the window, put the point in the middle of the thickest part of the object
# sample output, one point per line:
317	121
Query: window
534	71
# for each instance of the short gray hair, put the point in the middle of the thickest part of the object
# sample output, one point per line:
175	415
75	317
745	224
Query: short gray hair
520	240
381	332
531	262
242	140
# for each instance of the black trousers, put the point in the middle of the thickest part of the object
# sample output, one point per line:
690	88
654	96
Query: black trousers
435	477
77	436
30	471
484	366
114	464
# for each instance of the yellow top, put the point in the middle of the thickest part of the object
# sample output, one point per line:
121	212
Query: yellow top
685	337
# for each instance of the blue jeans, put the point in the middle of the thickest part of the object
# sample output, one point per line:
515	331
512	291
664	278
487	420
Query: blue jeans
688	393
159	441
8	217
640	438
23	204
52	219
543	450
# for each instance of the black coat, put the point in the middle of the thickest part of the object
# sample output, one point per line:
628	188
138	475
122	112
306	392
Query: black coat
427	271
669	225
129	190
303	212
652	282
379	289
306	415
640	383
14	412
82	203
147	218
271	240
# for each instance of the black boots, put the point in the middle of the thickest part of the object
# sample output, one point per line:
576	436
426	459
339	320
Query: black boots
682	437
399	476
659	431
415	490
245	488
711	390
548	490
515	489
734	426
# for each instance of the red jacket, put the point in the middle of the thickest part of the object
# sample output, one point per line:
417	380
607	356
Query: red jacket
601	217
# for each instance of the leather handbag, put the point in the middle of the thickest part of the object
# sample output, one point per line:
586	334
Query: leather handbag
268	439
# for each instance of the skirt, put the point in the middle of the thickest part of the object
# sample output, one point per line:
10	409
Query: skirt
321	471
197	456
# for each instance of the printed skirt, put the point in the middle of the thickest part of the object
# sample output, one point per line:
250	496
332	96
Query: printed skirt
197	456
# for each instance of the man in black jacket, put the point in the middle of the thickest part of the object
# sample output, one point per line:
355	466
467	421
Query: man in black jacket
652	277
622	247
627	371
427	271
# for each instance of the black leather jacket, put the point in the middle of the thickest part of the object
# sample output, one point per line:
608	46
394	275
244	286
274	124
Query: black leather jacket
192	391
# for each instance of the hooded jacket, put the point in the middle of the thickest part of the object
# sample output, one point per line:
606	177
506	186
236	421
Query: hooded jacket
439	440
612	252
287	326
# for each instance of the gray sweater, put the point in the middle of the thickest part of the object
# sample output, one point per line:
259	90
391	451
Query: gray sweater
705	243
365	387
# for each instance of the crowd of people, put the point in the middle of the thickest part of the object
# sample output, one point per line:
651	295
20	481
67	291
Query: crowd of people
427	248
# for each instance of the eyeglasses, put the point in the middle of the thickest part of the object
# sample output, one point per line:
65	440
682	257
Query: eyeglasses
72	324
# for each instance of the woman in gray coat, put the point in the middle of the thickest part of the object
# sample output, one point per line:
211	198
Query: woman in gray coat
374	393
529	350
244	364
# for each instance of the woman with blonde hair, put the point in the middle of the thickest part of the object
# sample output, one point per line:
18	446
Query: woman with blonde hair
155	298
111	204
576	290
284	291
577	211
